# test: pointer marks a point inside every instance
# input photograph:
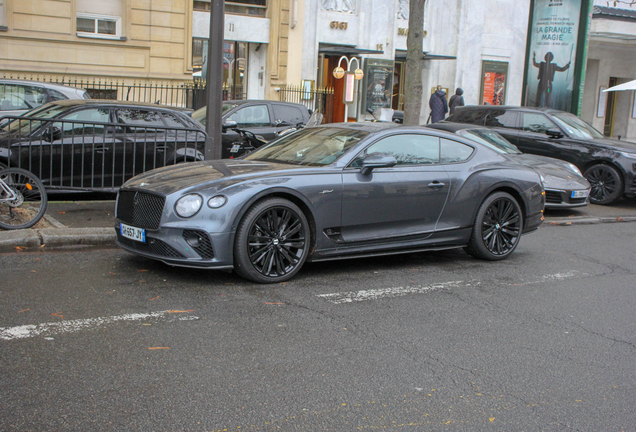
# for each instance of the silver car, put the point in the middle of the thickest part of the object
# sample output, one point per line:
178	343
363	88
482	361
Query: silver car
333	191
20	96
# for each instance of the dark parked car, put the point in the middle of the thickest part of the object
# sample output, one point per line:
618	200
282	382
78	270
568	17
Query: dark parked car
333	191
564	184
608	164
98	144
261	117
20	96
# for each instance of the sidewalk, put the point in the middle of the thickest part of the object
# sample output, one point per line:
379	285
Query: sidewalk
91	223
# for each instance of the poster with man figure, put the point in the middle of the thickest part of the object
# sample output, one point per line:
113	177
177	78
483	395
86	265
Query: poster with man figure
551	55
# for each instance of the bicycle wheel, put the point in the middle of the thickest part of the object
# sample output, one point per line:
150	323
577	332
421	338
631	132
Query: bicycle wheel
23	199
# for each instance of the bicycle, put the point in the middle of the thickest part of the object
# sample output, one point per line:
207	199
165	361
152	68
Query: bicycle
23	199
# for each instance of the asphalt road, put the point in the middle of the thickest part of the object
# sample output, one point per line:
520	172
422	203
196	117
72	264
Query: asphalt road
102	340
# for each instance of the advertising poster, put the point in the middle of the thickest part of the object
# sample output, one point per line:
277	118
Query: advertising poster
494	83
552	50
378	92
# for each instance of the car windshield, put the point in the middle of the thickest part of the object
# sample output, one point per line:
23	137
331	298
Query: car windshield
200	114
575	127
491	140
25	126
311	146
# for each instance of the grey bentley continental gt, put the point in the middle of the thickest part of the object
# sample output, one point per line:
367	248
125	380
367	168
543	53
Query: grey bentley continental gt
333	191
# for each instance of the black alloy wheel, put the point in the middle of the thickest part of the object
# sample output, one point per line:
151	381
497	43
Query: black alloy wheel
272	241
606	182
497	229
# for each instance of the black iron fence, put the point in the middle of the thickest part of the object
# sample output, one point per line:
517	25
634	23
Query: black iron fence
316	99
95	156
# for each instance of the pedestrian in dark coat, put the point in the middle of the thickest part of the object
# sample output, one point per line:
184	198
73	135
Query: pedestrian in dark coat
438	105
456	100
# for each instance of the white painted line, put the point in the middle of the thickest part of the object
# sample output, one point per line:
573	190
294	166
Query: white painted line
71	326
376	294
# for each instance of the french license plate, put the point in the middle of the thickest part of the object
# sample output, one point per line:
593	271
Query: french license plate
580	194
133	233
235	148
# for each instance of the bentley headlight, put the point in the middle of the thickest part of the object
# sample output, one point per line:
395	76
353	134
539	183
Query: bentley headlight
188	205
573	168
217	201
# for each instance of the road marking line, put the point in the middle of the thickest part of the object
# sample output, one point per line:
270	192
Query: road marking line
71	326
376	294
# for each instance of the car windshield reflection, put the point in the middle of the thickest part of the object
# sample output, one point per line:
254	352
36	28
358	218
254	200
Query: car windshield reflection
47	111
575	127
491	140
314	146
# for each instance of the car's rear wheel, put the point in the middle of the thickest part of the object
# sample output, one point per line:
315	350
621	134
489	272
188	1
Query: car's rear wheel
606	182
497	228
272	241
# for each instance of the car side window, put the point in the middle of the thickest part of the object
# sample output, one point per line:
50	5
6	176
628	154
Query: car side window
537	123
86	120
470	116
56	95
172	120
454	152
252	116
21	97
502	118
139	118
289	114
407	149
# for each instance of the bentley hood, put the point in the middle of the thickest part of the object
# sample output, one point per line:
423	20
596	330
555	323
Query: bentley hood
179	177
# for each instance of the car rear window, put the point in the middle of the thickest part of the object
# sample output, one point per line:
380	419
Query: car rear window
470	116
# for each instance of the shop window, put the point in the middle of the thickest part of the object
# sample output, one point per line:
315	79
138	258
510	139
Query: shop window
240	7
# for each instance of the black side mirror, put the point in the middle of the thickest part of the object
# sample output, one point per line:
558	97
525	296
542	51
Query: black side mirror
554	133
377	160
52	133
229	124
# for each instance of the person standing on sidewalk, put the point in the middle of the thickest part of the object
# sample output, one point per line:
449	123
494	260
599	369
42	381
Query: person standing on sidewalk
438	105
456	100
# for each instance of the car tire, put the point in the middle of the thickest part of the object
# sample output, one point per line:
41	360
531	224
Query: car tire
497	228
272	241
606	182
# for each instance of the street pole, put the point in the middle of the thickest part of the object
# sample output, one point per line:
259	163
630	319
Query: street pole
214	80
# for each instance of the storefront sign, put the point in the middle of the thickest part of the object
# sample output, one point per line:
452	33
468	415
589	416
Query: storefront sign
378	84
493	84
553	37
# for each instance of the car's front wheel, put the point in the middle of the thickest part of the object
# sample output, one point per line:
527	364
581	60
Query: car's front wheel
606	182
497	228
272	241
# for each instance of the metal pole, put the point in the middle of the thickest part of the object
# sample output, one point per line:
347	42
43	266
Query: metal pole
214	83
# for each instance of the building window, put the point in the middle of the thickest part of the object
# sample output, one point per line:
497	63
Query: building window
240	7
98	26
234	66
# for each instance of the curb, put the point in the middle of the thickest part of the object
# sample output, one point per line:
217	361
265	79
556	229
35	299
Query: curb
590	220
56	237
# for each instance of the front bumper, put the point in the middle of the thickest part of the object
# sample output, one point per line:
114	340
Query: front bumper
185	247
559	199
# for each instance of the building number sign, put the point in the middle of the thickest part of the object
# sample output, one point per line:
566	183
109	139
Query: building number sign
338	25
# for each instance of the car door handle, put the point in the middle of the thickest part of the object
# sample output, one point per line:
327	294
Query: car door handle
436	185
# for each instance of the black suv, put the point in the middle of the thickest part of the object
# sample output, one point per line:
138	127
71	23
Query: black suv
608	164
261	117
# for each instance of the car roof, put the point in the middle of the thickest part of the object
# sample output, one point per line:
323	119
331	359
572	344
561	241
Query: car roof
250	101
364	126
40	84
453	127
508	108
115	103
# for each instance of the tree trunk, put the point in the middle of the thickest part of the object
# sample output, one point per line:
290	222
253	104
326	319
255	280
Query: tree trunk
414	64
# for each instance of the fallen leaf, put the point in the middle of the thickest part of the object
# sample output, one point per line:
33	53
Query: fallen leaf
57	314
155	348
619	219
24	310
42	245
142	270
61	212
112	273
154	298
20	248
